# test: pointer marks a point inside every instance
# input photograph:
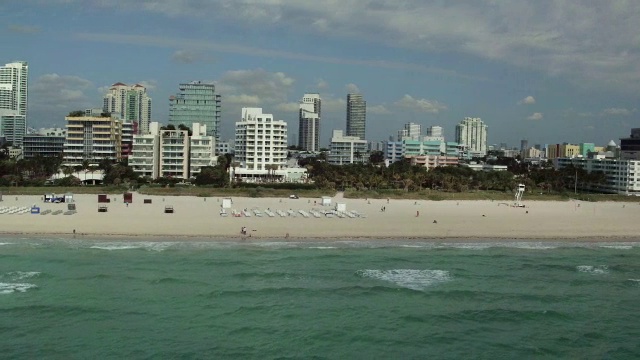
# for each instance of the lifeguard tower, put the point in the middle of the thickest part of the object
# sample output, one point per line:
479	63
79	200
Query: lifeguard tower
519	194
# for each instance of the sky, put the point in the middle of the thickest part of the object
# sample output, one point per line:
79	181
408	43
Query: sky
549	71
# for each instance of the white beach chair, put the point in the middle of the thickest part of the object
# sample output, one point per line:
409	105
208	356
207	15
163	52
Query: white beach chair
281	213
269	213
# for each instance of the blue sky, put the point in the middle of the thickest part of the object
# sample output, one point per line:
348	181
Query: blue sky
549	71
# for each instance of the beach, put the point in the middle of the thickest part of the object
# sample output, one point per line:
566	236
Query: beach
199	217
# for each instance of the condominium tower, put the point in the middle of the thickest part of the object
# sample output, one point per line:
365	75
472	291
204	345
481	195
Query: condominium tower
13	101
260	144
92	138
129	104
472	134
309	123
196	102
356	115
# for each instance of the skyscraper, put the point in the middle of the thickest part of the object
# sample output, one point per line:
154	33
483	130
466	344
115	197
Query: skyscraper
309	123
129	104
356	115
472	133
13	101
196	102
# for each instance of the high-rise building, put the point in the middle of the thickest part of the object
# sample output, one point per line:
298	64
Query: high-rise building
471	133
196	102
356	116
44	143
13	101
434	131
411	131
129	103
309	123
260	145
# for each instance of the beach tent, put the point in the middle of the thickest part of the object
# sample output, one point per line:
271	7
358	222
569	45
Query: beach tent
68	197
128	197
341	207
103	198
326	201
226	203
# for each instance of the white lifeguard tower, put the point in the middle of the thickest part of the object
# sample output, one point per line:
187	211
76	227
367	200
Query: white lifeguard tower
519	194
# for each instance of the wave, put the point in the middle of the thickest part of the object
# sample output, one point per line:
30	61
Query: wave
1	244
594	270
20	275
9	288
617	247
408	278
151	245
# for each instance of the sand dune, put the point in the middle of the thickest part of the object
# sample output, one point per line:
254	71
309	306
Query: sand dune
199	217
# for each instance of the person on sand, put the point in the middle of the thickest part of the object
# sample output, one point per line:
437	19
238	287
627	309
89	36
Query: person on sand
417	213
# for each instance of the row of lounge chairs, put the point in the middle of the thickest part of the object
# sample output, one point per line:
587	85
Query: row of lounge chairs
15	210
292	213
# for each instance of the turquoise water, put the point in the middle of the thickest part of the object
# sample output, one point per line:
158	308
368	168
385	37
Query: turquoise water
66	299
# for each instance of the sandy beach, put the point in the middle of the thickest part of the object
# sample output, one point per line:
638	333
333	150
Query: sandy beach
404	219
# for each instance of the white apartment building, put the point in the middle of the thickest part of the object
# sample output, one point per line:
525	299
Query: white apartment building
93	139
202	149
224	147
129	103
471	133
347	149
145	154
260	146
172	153
13	101
623	176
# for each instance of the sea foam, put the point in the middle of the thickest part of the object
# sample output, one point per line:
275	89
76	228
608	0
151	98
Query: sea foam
594	270
9	288
408	278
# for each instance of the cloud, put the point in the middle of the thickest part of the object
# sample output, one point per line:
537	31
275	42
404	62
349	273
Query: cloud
617	112
23	29
529	100
167	42
420	105
255	86
61	91
535	116
288	107
322	85
352	89
184	57
594	41
378	110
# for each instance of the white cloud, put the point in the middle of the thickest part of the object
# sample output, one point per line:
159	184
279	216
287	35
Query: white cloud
618	111
288	107
529	100
62	91
256	87
420	105
352	89
535	116
184	56
378	110
322	85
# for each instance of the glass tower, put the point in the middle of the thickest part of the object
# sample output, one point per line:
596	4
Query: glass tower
196	102
356	115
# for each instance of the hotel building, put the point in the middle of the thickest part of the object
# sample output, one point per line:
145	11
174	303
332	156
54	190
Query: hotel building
260	146
347	149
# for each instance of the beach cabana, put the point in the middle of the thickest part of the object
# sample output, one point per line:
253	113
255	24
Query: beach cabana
326	201
68	197
103	198
341	207
128	197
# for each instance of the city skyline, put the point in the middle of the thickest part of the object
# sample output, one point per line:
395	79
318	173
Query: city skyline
548	72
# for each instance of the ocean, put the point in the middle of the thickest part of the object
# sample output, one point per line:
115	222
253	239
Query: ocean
105	299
